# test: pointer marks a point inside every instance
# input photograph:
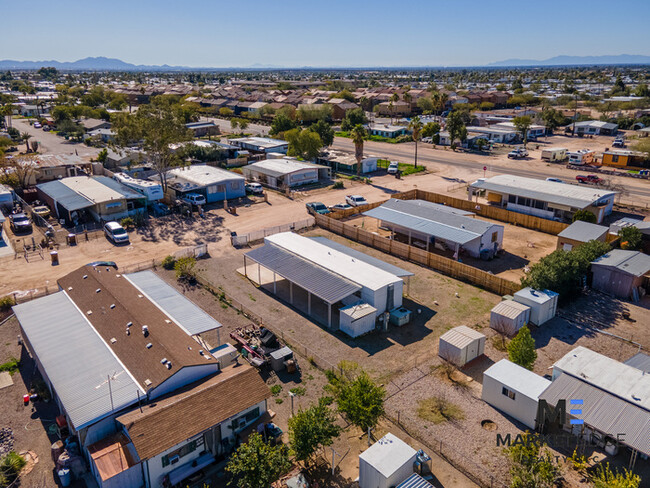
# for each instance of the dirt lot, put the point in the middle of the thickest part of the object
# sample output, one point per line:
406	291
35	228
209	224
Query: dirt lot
522	247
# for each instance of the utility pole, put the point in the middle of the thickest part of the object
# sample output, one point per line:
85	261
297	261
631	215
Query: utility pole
291	395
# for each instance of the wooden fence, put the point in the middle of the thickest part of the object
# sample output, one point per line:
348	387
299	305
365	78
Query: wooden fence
445	265
487	211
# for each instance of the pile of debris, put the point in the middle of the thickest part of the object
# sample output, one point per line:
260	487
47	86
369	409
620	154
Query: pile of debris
6	441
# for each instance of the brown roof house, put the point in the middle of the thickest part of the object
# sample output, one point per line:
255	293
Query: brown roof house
146	397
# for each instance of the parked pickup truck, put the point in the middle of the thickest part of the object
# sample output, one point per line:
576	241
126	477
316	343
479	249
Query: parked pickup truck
317	208
590	179
618	142
355	200
517	153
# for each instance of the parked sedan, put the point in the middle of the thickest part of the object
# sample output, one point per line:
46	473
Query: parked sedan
20	223
340	206
254	188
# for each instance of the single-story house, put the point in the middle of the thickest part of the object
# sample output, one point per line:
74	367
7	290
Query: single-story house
261	145
94	124
215	184
116	159
642	225
621	273
580	232
625	159
56	166
496	134
387	130
595	127
201	129
534	131
80	199
130	397
545	199
393	109
514	390
285	172
340	106
105	135
432	225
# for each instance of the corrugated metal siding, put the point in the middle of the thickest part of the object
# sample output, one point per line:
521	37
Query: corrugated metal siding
603	411
75	358
318	281
186	314
378	263
415	481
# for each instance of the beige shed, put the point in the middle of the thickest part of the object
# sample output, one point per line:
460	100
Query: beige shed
461	344
508	316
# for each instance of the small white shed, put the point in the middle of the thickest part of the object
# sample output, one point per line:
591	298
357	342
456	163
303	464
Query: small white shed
461	344
508	316
543	304
357	319
514	390
386	463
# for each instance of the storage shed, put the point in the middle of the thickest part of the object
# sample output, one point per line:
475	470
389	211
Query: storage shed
621	273
357	319
543	304
508	316
580	232
514	390
386	463
461	344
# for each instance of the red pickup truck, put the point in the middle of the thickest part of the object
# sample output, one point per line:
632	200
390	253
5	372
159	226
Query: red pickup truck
593	179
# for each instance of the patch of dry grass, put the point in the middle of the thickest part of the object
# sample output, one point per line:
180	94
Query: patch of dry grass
438	410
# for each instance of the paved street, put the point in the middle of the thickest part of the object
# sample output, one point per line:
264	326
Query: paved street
50	143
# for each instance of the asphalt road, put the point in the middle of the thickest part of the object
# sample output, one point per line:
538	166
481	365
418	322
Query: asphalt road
405	153
50	143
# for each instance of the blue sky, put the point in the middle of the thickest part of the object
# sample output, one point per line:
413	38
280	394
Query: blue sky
315	33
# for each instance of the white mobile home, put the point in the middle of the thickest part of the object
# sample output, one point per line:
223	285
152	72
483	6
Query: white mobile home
460	345
508	316
153	191
514	390
285	172
386	463
542	303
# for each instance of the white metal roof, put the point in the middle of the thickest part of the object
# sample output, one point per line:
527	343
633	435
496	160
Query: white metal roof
358	310
355	270
91	189
282	166
510	309
518	378
547	191
388	454
203	175
537	296
263	142
461	336
76	359
617	378
583	231
188	316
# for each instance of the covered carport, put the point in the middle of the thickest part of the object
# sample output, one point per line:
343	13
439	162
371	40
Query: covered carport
299	281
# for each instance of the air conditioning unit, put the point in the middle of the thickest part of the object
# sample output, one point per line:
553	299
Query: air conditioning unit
174	459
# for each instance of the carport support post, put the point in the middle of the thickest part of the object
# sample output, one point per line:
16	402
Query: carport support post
308	303
291	292
409	237
275	290
245	272
259	274
329	315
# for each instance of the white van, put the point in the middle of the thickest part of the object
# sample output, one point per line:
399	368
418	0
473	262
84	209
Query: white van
116	233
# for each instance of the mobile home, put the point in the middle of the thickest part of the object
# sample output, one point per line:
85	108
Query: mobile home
554	154
581	157
153	191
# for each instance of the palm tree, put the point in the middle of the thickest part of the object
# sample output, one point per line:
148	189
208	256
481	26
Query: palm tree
415	126
8	111
26	136
359	135
393	98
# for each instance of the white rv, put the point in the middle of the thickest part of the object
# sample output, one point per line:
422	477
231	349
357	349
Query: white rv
153	191
581	157
554	154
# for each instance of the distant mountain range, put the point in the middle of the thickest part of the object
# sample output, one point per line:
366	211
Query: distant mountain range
577	61
111	64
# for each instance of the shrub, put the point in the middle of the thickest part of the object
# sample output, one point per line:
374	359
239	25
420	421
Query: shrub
604	477
169	262
585	216
185	268
127	223
276	389
521	349
12	463
10	366
630	238
439	410
338	185
298	391
6	303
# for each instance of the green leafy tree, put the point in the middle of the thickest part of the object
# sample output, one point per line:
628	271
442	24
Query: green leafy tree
226	112
619	86
345	94
425	104
185	268
415	126
430	129
325	131
516	85
522	124
357	396
531	465
630	238
604	477
303	143
358	135
103	154
352	118
643	146
256	464
312	113
456	127
521	349
311	429
642	90
562	271
282	123
156	126
585	216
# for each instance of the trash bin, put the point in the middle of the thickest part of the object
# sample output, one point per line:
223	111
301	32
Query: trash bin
65	477
72	239
55	258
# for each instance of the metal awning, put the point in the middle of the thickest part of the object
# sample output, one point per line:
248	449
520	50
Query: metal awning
326	285
603	411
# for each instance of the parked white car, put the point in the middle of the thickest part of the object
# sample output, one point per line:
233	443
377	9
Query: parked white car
355	200
116	233
254	188
393	167
195	199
